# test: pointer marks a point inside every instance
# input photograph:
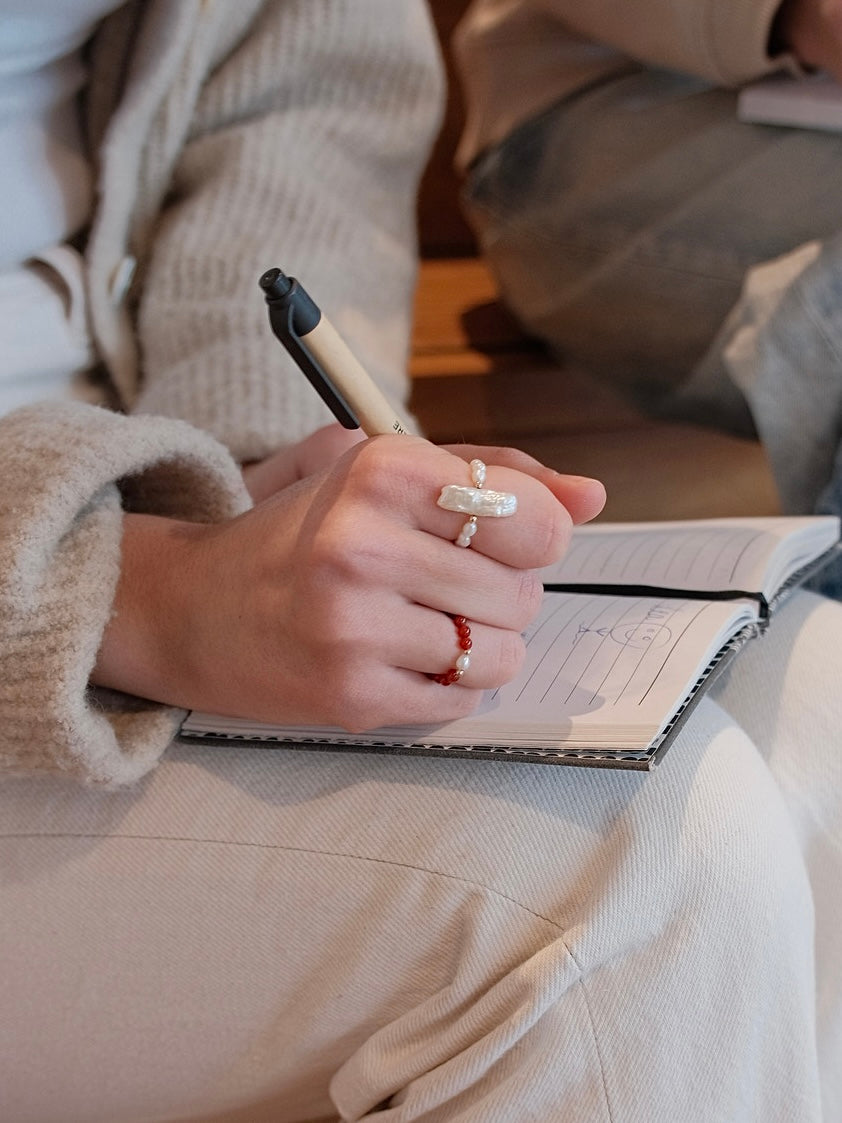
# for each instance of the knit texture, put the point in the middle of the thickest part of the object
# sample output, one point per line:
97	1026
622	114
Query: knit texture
303	149
60	524
227	138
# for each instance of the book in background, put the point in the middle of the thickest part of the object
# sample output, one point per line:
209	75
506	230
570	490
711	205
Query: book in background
811	102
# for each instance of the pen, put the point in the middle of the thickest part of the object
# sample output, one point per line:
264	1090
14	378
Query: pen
325	359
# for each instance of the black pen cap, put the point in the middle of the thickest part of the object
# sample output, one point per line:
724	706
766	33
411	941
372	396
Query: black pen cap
287	296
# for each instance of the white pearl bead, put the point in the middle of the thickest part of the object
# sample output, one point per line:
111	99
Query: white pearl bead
478	473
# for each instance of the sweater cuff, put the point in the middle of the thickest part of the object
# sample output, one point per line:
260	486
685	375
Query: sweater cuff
64	466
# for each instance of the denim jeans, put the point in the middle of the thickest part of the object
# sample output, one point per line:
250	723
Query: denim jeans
626	225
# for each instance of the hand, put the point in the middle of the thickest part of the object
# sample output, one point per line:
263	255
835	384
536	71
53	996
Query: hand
327	603
582	497
812	31
293	462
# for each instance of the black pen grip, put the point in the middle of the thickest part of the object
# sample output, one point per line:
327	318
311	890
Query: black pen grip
293	314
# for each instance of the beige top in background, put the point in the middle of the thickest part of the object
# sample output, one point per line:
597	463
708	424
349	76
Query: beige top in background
517	57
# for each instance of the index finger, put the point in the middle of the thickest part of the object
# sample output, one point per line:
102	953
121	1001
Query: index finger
402	477
583	496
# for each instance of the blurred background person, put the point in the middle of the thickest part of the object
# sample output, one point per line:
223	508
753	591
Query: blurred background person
640	229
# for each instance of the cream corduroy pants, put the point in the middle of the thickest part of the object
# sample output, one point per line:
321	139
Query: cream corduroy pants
270	935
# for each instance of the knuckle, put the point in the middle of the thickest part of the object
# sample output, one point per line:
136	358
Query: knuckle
510	657
336	648
464	701
514	458
371	463
355	721
353	707
365	709
381	470
530	594
342	555
554	535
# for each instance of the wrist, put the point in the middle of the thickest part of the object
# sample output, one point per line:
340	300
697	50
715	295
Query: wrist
143	649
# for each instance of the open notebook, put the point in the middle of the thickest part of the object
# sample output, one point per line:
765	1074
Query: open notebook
636	621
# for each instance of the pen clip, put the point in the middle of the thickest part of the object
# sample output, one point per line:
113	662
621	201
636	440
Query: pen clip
282	315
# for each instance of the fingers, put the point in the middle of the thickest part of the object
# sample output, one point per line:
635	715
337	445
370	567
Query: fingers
345	611
431	571
290	463
582	496
537	533
433	643
401	687
422	702
404	476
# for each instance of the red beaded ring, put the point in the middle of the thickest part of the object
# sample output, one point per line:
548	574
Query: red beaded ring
463	631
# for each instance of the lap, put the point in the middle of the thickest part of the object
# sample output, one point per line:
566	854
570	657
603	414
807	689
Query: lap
621	222
253	927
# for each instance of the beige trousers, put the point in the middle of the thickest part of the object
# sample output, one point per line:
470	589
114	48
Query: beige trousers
258	935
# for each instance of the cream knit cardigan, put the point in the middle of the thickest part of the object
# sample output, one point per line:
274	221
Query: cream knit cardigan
228	138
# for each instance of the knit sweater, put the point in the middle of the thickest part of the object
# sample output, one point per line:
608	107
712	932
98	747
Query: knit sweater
518	57
227	138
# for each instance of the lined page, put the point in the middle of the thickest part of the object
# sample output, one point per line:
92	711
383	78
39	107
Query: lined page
703	555
600	670
608	670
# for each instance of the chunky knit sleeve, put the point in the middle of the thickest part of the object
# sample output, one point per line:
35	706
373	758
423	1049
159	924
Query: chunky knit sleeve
63	466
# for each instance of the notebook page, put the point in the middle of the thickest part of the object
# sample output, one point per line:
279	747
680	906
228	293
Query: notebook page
708	554
606	670
599	670
810	102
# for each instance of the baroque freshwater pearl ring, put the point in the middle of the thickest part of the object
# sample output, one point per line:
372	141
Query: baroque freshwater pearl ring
475	501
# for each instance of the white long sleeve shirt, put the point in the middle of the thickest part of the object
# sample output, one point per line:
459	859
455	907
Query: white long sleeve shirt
46	196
